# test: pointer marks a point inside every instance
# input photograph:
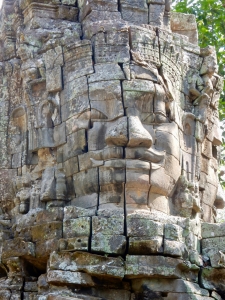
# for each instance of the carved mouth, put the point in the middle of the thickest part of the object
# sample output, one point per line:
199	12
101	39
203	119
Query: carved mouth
151	155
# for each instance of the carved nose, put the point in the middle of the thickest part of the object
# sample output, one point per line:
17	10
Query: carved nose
128	131
137	134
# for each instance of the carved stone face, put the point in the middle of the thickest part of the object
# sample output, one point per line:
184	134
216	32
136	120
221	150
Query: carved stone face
125	114
134	150
109	117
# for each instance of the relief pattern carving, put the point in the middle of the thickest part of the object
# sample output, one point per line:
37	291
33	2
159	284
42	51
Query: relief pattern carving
109	137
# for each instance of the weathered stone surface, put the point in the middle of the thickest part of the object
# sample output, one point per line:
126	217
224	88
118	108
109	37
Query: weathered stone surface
143	227
86	182
209	279
116	46
76	227
143	245
109	71
87	202
158	266
17	247
80	243
186	296
46	231
5	294
170	285
73	212
107	226
179	25
212	230
111	244
135	11
93	264
216	243
109	144
174	248
66	277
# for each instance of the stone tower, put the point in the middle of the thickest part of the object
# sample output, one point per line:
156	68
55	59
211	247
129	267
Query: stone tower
109	153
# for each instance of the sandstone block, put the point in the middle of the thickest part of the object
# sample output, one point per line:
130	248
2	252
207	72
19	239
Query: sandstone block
96	136
76	143
29	295
87	6
195	258
143	227
109	20
136	196
109	71
145	42
185	25
160	181
74	297
86	159
173	232
158	266
59	134
117	132
209	279
182	296
72	278
144	245
95	265
105	97
70	166
73	212
169	286
212	230
111	294
48	185
5	295
137	11
54	79
46	231
69	2
30	286
80	243
108	226
86	182
174	248
111	244
76	227
111	175
50	215
74	89
78	122
77	105
115	50
137	174
112	194
43	250
138	72
17	248
217	243
216	296
87	202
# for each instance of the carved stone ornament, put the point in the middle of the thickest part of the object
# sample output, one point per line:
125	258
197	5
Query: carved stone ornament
109	137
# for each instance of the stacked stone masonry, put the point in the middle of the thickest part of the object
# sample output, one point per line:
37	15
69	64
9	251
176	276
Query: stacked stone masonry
109	150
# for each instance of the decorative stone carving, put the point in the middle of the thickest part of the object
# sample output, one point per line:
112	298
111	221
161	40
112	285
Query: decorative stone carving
109	138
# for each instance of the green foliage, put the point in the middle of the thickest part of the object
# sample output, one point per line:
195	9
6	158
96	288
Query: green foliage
211	28
211	24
